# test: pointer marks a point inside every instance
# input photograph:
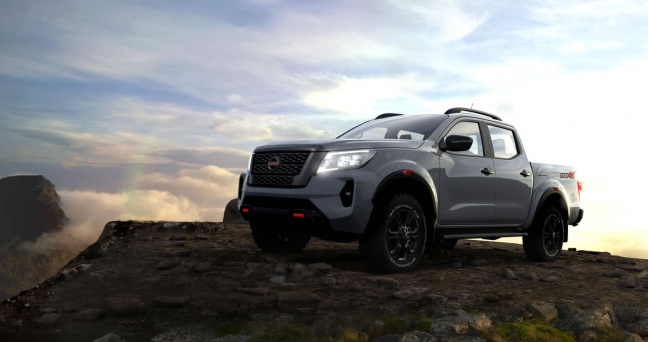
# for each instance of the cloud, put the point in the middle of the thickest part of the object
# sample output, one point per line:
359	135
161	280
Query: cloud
240	124
210	187
223	157
191	195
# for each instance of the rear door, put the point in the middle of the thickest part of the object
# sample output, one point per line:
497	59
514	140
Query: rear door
467	180
514	179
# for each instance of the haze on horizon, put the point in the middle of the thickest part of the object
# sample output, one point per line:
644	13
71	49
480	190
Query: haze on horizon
140	110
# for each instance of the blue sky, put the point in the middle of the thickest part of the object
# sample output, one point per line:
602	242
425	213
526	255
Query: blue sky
149	109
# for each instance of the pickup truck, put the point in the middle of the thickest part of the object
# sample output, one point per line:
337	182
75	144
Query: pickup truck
399	184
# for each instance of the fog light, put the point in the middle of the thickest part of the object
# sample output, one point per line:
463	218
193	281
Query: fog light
346	195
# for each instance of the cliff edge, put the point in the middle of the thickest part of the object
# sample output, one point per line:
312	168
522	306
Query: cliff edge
205	281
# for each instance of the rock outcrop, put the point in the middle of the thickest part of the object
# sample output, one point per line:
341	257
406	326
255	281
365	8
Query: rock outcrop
232	213
29	207
205	281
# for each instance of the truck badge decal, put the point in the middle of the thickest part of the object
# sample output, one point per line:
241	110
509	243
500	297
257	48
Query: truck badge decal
567	175
273	163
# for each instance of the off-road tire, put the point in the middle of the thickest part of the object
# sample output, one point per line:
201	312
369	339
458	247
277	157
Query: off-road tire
270	241
545	239
395	239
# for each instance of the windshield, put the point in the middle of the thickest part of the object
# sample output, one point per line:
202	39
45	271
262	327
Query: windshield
414	127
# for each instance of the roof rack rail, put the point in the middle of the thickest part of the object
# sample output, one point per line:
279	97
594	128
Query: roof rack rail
463	109
386	115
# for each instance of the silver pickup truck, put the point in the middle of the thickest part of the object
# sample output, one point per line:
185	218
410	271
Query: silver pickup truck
399	184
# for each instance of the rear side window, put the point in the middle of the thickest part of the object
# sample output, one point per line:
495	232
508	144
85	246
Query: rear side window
469	129
504	144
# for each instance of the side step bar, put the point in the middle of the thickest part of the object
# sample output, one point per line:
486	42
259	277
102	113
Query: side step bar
477	233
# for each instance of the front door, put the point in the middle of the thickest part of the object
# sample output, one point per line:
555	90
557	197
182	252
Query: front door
467	181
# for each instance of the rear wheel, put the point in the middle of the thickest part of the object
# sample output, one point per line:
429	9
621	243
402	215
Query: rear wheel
270	241
395	240
545	239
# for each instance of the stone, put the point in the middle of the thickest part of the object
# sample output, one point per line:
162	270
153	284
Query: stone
179	237
48	310
172	302
629	282
255	291
385	282
110	337
167	265
232	212
328	281
280	279
615	273
461	323
508	274
550	279
205	267
567	309
17	323
418	336
585	322
478	261
529	276
320	268
456	264
192	333
90	315
408	293
543	310
640	328
178	252
298	268
437	299
387	338
125	306
232	338
281	268
297	298
49	320
176	244
631	337
201	237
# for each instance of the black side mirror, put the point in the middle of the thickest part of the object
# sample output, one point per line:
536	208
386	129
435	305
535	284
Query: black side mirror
456	143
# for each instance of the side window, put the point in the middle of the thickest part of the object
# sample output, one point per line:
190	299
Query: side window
469	129
504	145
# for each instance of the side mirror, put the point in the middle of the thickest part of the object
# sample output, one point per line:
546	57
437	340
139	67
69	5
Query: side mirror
456	143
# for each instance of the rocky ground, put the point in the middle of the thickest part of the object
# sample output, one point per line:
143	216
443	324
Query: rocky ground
169	281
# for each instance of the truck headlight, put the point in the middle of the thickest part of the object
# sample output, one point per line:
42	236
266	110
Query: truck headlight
345	160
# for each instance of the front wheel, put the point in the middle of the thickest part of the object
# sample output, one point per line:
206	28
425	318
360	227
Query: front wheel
270	241
395	240
545	239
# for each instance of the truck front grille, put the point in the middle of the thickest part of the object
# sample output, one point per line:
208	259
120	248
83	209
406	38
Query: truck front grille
277	168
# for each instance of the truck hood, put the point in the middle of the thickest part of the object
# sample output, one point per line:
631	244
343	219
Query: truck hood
337	145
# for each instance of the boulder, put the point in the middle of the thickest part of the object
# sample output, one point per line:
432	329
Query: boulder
461	323
90	315
543	310
125	306
232	212
110	337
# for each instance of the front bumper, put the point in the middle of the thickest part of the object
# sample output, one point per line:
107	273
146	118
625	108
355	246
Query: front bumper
321	206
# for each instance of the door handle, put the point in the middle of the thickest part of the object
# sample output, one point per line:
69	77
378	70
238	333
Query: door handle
525	173
486	171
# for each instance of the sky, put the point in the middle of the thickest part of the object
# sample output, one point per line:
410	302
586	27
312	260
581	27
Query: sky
150	109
